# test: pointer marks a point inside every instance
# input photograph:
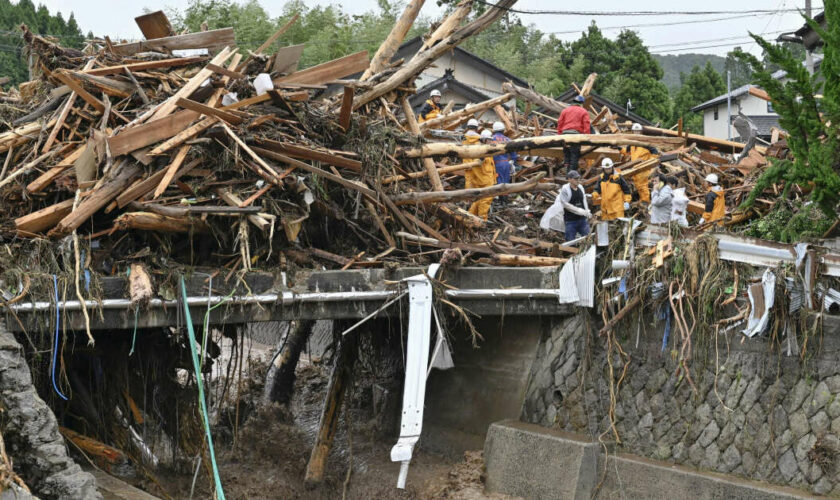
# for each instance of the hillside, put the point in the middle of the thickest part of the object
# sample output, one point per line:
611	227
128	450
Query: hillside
673	64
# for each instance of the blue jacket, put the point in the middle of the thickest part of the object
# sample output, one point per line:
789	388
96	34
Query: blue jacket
499	137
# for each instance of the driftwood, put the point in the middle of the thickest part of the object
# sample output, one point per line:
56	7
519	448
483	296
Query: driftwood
535	97
148	221
547	141
414	128
389	47
467	112
474	193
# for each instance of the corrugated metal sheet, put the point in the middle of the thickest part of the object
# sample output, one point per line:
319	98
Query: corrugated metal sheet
577	280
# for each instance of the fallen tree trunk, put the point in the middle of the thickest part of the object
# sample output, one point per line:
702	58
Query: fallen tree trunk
428	163
702	140
468	111
419	62
548	141
535	97
423	173
424	197
148	221
502	259
389	47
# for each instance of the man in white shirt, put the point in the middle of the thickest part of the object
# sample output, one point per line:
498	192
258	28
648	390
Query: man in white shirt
576	210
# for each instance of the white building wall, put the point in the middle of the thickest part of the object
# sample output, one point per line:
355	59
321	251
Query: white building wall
747	104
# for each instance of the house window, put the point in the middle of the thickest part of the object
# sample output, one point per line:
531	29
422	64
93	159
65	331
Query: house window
716	113
770	107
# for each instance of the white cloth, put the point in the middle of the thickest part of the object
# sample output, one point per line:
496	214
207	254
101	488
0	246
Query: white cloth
679	205
554	216
660	205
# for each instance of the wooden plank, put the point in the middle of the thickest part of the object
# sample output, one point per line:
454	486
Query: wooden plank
357	186
231	199
330	70
177	161
191	86
760	93
76	87
45	218
140	136
144	65
183	136
224	71
207	110
154	25
346	108
213	40
298	151
286	59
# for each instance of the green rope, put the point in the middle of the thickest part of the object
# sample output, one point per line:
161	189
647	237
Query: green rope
220	494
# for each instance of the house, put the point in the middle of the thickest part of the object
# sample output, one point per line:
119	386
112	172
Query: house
745	100
460	76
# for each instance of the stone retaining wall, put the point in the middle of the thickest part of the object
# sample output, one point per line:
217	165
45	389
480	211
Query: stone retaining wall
765	416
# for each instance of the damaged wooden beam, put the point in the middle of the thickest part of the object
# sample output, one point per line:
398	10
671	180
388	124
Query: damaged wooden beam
474	193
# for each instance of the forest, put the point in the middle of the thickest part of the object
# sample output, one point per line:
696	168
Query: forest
628	73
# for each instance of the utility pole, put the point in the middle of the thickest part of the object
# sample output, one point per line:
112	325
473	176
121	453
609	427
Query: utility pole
728	105
809	59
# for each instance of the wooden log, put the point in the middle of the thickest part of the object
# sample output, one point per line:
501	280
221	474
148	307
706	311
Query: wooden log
702	140
145	65
45	218
422	59
468	112
213	40
474	193
100	197
110	86
440	170
526	260
148	221
231	199
346	111
270	40
542	142
303	152
448	25
281	374
588	84
354	185
207	110
389	47
502	113
414	127
168	106
535	97
340	379
330	70
154	25
177	211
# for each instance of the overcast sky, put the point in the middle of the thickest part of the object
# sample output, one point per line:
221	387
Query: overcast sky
116	19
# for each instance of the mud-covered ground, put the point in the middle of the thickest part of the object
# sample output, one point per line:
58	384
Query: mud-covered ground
266	457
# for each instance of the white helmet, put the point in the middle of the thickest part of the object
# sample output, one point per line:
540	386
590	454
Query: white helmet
606	163
637	127
712	178
473	123
435	93
498	127
485	134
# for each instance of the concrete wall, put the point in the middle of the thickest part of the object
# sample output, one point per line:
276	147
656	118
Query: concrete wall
487	384
765	416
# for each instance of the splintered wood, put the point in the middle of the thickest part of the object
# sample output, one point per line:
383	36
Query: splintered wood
330	164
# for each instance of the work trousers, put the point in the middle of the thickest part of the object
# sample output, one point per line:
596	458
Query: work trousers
481	207
571	153
575	228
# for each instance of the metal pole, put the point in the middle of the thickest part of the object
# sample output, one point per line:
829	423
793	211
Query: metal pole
728	105
809	59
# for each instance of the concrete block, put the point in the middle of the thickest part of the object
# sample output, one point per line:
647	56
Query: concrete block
535	463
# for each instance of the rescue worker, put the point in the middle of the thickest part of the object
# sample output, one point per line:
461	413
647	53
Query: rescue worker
506	162
679	204
661	202
641	153
573	120
472	124
613	192
481	176
431	108
575	209
715	204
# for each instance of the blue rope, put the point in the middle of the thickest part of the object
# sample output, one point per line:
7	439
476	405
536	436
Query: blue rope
220	494
55	342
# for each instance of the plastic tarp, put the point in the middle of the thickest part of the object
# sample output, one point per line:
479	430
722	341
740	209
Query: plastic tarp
762	296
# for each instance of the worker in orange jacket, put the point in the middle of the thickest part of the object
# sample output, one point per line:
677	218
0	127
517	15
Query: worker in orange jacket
715	203
612	191
431	108
642	179
481	176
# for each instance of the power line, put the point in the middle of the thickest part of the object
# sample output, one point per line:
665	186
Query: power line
737	44
653	25
638	12
695	42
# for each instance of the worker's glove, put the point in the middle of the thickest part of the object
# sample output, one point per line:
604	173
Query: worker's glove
588	214
702	221
626	206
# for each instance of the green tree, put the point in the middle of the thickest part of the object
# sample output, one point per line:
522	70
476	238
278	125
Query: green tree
813	126
599	55
740	72
700	85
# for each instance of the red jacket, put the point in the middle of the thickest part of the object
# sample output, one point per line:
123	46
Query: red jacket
573	118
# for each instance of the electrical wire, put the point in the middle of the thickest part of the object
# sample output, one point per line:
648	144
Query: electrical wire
638	12
55	340
656	25
697	42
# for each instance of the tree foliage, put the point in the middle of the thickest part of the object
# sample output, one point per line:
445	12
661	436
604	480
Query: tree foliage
39	20
813	126
700	85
